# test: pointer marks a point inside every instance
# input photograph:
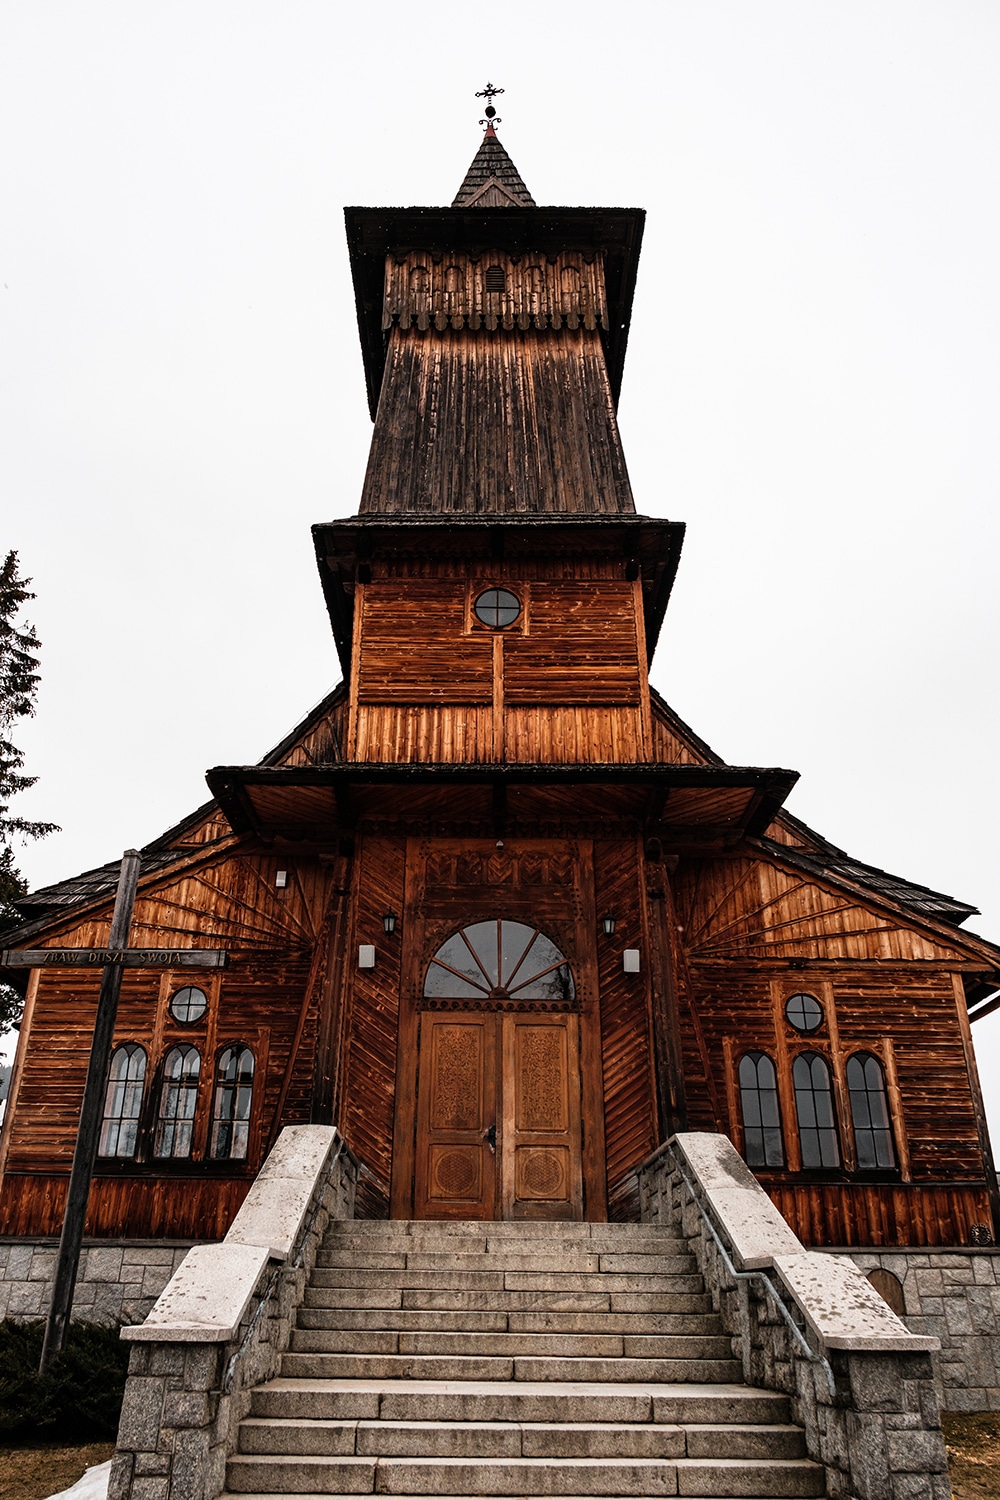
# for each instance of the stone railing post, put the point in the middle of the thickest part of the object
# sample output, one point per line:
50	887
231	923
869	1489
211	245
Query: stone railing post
810	1325
224	1320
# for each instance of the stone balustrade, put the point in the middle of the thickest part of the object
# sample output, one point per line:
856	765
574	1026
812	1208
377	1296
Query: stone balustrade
223	1321
808	1324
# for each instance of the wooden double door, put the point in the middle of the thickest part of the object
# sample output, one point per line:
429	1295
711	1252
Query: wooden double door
498	1116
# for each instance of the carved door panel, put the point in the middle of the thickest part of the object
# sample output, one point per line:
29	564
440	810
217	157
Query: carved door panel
541	1155
456	1161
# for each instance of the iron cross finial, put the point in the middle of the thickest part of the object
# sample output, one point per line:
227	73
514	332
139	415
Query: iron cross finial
489	93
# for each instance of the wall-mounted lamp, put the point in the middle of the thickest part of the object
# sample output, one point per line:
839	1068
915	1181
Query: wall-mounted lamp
608	924
280	879
389	922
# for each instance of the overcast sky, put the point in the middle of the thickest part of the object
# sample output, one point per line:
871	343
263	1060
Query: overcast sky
812	378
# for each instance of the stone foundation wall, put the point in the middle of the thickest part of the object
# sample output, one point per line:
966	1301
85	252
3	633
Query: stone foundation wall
955	1296
119	1280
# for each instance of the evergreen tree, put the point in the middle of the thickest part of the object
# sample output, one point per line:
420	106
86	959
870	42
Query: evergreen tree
18	687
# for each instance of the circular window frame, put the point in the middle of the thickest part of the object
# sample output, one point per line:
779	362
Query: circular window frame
188	989
497	590
798	1026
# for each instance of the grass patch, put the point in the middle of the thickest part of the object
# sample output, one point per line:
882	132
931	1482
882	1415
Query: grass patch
78	1401
973	1440
33	1473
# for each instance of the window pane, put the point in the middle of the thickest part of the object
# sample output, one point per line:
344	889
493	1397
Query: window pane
499	954
870	1112
804	1012
178	1098
814	1108
231	1105
761	1115
123	1102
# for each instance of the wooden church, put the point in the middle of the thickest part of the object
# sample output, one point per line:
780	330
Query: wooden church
492	908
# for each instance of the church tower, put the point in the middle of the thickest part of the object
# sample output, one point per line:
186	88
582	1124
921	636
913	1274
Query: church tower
492	908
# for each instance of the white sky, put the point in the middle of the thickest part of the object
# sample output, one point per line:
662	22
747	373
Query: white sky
812	379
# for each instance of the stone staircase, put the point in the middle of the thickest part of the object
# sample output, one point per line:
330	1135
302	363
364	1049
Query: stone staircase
527	1359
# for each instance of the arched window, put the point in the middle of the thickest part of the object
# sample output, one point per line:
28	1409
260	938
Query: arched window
814	1108
762	1143
178	1097
231	1105
123	1101
869	1112
500	961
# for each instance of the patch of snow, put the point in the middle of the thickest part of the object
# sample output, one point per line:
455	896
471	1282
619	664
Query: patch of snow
93	1485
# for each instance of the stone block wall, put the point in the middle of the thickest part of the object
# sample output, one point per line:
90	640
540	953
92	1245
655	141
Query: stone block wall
953	1295
118	1282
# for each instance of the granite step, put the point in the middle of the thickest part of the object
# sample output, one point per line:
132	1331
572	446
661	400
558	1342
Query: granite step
492	1401
300	1436
312	1315
313	1474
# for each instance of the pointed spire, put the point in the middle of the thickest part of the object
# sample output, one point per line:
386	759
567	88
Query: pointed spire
492	180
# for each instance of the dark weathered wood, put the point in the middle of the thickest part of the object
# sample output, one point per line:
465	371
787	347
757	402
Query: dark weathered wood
68	1258
101	958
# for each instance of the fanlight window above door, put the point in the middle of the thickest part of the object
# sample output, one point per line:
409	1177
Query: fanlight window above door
499	962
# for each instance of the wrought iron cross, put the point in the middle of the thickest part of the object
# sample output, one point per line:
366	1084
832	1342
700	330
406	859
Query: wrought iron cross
489	93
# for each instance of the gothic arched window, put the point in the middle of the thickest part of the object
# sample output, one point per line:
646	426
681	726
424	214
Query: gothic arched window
814	1108
499	960
762	1143
123	1101
178	1097
870	1112
231	1105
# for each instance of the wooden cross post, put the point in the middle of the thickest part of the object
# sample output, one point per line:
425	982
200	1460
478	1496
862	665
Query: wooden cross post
113	959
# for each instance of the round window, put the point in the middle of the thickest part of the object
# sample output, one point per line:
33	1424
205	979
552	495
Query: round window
497	608
804	1012
188	1004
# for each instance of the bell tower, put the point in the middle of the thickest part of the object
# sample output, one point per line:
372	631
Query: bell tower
502	789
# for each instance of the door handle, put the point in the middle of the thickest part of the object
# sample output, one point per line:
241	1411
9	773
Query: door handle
490	1137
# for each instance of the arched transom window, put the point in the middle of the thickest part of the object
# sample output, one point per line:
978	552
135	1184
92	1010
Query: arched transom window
499	961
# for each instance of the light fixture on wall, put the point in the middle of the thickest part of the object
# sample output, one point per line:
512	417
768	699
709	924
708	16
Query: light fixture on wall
389	922
608	924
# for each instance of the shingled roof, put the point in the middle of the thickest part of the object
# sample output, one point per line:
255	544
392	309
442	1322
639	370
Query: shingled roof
492	181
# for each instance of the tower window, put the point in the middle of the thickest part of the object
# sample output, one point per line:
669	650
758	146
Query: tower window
804	1012
762	1143
497	608
495	279
869	1112
123	1101
814	1107
178	1097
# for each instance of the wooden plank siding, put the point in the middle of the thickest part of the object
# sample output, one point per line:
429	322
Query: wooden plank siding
630	1113
367	1102
502	424
261	1000
886	988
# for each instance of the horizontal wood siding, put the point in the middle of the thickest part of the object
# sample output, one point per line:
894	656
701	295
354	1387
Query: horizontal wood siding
415	649
581	647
